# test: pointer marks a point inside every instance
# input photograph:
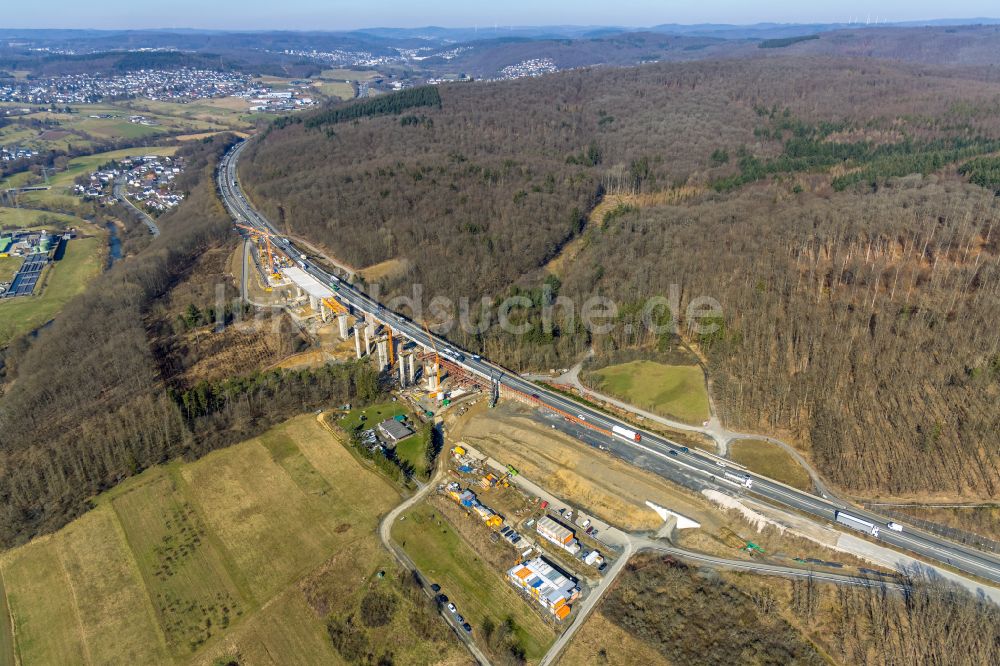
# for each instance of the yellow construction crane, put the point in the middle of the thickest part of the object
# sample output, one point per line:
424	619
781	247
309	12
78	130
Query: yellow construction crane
334	305
257	234
437	358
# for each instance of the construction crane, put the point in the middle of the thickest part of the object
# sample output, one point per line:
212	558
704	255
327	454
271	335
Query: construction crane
257	234
334	305
437	359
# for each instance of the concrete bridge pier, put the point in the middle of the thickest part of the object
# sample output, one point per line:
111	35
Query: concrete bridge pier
342	323
357	341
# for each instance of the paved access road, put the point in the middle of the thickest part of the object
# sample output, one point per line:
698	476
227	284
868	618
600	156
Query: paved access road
653	452
117	189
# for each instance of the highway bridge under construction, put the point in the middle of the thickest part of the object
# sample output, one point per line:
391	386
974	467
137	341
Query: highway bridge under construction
409	347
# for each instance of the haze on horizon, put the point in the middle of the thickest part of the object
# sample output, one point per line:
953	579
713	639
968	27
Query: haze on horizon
325	15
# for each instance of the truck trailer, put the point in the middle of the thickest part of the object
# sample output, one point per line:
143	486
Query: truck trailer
626	434
856	523
742	479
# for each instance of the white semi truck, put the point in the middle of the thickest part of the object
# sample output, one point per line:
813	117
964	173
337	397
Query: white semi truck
856	523
742	479
626	434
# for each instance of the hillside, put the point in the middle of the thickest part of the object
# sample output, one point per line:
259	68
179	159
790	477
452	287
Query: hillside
973	45
664	611
245	555
818	201
106	392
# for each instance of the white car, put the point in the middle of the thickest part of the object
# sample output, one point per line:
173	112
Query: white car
451	607
895	527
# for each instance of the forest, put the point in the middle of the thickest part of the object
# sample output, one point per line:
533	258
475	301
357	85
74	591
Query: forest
826	205
86	402
693	616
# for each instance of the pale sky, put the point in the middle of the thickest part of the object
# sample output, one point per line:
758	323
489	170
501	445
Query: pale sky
346	14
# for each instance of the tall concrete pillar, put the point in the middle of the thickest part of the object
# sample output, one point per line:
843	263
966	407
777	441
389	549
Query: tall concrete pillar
357	341
313	302
430	371
342	321
413	368
324	311
402	374
367	339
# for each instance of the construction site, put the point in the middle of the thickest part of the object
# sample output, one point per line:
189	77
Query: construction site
272	278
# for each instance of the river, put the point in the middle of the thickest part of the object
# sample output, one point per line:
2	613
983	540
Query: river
114	244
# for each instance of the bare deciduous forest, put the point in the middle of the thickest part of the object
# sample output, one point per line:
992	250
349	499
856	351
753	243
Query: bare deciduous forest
702	617
87	402
819	201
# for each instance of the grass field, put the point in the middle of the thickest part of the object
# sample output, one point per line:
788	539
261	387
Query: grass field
670	390
9	267
414	451
770	460
6	635
206	559
81	262
185	574
28	218
47	627
478	590
348	75
336	89
369	417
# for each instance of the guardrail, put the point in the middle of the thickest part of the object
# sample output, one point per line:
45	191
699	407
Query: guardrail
951	533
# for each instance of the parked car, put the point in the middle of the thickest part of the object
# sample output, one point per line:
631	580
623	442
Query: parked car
590	530
435	587
451	607
459	619
442	599
467	627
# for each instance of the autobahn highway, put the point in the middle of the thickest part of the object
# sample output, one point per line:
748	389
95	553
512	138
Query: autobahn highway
652	447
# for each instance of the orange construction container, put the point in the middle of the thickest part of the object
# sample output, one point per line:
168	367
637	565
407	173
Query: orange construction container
562	612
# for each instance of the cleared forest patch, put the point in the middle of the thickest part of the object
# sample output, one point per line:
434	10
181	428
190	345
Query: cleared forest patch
385	270
614	490
770	460
670	390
